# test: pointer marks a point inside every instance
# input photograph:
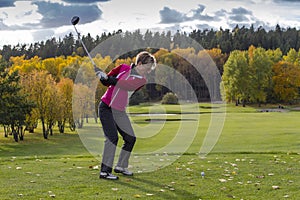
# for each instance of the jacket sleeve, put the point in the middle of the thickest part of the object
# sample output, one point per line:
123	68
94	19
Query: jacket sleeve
111	75
115	71
132	83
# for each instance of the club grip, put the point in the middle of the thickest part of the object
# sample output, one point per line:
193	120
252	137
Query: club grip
100	73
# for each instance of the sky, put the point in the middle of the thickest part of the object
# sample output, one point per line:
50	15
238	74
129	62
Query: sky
26	22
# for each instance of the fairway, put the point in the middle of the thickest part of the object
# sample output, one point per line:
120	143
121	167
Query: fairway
257	156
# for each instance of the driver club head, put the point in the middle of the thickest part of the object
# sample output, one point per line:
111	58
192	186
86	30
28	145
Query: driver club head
75	20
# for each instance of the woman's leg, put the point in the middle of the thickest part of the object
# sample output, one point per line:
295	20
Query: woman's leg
111	135
125	129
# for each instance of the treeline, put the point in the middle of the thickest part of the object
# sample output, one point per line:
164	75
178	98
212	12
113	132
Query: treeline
41	90
37	82
239	38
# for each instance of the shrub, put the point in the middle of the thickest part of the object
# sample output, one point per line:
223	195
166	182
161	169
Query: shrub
170	98
136	98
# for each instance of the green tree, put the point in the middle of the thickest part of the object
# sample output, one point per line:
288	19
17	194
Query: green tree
260	67
65	89
236	78
14	105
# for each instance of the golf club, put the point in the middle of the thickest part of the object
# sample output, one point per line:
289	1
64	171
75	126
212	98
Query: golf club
98	71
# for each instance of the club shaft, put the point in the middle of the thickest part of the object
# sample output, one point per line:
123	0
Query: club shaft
84	47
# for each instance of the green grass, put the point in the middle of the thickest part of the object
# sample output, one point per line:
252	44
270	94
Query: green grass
254	152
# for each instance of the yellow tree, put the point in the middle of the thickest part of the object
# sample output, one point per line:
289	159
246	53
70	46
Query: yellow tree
53	100
22	65
40	87
291	57
53	66
286	81
65	89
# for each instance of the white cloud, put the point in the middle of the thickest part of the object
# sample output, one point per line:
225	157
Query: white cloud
23	12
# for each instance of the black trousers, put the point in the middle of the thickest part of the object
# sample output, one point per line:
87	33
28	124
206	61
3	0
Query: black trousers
114	122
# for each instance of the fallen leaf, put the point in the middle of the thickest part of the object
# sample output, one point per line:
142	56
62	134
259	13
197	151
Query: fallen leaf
275	187
222	180
137	196
149	194
233	164
18	168
162	190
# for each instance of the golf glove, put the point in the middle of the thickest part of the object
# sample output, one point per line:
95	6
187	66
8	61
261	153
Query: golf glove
101	75
111	80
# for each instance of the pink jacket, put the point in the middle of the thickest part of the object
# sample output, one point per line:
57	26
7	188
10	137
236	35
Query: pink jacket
117	96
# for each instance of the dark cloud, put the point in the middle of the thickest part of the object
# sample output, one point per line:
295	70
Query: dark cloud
240	14
197	14
239	18
55	14
221	13
171	16
236	16
85	2
168	15
241	11
7	3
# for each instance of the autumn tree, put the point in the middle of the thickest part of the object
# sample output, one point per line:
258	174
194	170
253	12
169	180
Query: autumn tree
286	81
41	87
65	89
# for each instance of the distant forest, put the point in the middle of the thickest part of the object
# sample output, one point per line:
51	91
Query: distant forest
239	38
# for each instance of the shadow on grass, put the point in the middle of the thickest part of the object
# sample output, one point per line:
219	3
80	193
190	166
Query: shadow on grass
144	185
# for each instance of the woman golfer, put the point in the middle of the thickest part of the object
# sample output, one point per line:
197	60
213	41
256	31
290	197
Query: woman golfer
114	119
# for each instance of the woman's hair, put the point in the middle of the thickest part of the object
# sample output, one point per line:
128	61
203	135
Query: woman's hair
145	58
